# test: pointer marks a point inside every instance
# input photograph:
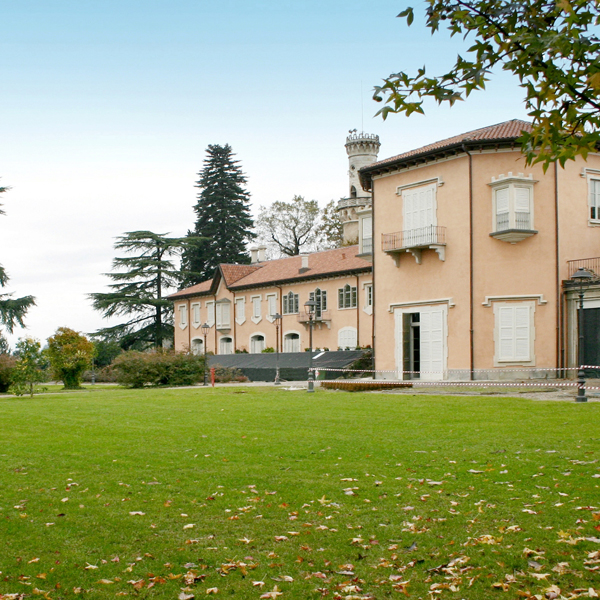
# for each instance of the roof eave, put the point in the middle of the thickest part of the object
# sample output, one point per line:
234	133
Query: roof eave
366	173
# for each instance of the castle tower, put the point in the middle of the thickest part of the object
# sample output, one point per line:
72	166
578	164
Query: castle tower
362	149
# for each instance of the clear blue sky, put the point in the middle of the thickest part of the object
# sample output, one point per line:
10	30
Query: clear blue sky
107	108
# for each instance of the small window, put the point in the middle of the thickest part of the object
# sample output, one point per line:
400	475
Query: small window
347	338
272	304
183	316
240	311
291	342
196	322
290	304
594	189
226	345
210	312
369	295
320	297
514	332
257	343
197	347
223	315
256	316
347	297
352	192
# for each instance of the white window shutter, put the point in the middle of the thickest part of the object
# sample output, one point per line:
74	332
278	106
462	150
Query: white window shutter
507	333
522	199
522	333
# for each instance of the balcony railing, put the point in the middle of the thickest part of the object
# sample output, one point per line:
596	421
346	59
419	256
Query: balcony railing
422	237
590	264
303	317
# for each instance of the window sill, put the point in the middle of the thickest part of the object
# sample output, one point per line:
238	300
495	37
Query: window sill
512	236
347	308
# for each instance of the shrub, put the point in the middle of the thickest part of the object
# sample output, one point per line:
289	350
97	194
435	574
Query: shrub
7	367
70	354
268	349
104	375
136	369
229	374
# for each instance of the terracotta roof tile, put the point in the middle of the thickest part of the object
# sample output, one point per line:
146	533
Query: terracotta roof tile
233	273
508	130
200	288
320	264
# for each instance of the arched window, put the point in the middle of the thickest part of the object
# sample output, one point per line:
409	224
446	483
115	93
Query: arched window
198	346
257	343
347	297
320	297
352	192
291	342
290	304
347	338
226	345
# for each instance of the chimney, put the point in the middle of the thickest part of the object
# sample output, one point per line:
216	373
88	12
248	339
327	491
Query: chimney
262	253
253	255
304	266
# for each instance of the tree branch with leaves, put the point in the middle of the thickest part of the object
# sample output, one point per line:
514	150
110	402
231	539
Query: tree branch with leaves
551	47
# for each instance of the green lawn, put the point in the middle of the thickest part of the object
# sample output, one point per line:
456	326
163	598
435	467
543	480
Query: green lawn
174	493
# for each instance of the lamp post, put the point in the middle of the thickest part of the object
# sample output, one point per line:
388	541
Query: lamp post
277	320
582	277
205	329
310	306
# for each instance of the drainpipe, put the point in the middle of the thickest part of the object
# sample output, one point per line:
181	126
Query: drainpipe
189	324
279	337
234	325
559	345
215	319
357	313
471	278
373	279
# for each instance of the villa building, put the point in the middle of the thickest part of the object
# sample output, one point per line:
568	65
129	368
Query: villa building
472	255
239	304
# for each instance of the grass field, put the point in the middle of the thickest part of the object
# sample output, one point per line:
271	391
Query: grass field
268	493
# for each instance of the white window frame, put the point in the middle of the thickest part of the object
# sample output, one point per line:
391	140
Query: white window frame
183	316
291	332
221	340
264	341
368	292
195	309
527	359
240	310
210	312
361	233
323	301
427	215
256	301
347	330
199	342
353	290
295	299
271	305
512	184
593	198
223	314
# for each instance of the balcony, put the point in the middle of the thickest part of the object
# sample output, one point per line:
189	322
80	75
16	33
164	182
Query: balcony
590	264
415	241
303	318
511	228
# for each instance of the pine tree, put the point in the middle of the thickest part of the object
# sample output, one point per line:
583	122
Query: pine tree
139	289
222	217
12	310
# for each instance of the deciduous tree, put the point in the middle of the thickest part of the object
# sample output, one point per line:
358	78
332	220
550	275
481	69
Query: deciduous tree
550	45
29	367
141	281
223	218
70	354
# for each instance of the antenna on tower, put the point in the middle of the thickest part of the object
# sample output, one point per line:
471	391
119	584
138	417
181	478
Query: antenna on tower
362	108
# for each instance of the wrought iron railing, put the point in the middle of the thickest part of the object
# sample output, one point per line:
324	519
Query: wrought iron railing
414	238
590	264
522	221
304	318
